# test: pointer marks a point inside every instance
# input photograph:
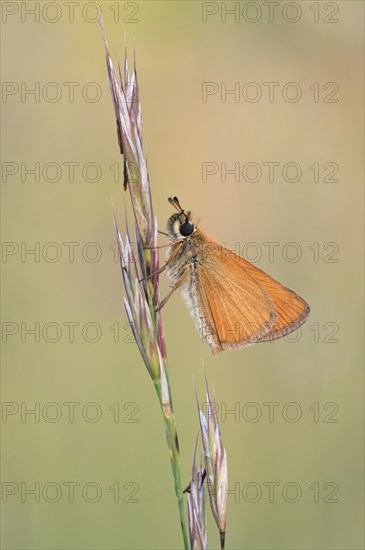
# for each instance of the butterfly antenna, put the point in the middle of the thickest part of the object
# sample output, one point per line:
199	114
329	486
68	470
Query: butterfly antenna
174	201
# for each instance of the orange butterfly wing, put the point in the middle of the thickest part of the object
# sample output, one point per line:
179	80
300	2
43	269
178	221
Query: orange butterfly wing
242	304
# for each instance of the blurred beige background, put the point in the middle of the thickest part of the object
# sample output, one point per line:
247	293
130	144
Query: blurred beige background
107	471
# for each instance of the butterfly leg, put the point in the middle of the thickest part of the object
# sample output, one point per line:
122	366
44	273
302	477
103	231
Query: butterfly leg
156	247
159	270
154	273
175	286
163	245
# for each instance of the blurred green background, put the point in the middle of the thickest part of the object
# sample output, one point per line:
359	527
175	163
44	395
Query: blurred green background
114	452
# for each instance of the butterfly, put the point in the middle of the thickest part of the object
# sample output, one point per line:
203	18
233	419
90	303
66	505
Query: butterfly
234	303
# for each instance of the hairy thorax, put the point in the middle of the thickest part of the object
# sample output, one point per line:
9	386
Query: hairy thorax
182	257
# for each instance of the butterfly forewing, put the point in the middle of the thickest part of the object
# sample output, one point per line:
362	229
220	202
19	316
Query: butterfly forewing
245	304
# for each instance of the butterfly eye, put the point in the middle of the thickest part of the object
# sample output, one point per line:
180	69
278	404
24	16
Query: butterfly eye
186	229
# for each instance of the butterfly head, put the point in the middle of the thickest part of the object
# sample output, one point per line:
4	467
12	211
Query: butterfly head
179	226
